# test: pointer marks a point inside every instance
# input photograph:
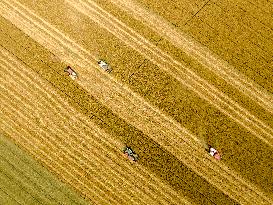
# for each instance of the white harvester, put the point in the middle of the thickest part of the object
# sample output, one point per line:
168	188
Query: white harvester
105	66
213	152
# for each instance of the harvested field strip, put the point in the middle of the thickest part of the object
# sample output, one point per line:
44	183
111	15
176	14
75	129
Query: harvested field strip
182	149
86	151
194	82
59	111
24	197
123	111
166	8
199	53
145	31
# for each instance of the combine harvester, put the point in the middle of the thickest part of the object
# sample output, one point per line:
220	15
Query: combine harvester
213	152
130	154
105	66
71	73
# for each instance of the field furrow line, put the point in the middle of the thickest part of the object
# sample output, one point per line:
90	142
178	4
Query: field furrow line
68	149
26	183
42	109
187	154
176	69
65	131
198	52
25	196
19	134
160	119
4	196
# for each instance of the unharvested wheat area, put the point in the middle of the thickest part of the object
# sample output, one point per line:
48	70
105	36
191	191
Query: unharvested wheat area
186	74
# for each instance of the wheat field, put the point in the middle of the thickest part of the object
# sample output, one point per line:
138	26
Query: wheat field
186	74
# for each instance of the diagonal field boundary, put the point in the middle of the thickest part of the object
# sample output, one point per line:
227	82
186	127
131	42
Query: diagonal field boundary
135	109
21	86
188	78
176	69
198	52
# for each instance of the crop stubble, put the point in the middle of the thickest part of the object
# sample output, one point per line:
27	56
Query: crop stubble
58	150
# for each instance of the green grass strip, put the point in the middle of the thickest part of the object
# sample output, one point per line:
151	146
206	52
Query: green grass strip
24	180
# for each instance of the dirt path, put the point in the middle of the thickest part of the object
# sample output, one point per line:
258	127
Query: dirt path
156	125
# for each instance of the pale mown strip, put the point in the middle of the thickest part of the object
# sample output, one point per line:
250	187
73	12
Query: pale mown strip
178	70
157	126
198	52
206	193
73	143
25	181
241	163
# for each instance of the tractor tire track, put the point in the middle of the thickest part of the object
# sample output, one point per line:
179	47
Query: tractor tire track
167	144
